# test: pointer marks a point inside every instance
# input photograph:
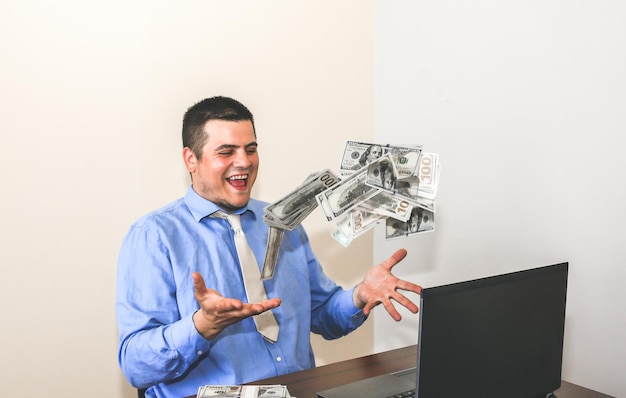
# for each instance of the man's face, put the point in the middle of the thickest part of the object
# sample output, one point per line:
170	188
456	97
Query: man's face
228	168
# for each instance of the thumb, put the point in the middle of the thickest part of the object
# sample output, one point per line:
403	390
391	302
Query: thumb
199	286
395	258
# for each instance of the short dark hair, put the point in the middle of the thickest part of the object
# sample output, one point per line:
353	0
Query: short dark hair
214	108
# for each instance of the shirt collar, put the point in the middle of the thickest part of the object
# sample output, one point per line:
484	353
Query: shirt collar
201	207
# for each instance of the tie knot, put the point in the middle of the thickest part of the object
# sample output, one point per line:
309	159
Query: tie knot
235	222
233	219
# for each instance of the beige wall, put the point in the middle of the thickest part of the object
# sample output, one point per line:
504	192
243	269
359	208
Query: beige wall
92	95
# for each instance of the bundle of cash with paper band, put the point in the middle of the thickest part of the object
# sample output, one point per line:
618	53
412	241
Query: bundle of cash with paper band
377	183
289	211
247	391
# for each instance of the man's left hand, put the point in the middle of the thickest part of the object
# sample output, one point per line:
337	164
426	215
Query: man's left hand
381	286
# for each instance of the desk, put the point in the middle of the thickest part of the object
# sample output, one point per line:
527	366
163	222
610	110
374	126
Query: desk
306	383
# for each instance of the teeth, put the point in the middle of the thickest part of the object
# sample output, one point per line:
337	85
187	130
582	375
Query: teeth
238	177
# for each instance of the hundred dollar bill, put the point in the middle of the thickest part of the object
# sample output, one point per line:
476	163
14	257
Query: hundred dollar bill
421	220
338	233
346	195
288	212
357	155
388	205
293	208
406	159
405	180
246	391
355	223
408	189
218	391
428	174
382	174
274	240
421	189
270	391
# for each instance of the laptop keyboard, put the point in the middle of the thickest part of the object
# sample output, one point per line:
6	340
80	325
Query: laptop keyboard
406	394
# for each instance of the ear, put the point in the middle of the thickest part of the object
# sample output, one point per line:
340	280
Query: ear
190	159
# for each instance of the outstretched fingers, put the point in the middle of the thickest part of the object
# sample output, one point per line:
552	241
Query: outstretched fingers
395	258
409	286
257	308
387	303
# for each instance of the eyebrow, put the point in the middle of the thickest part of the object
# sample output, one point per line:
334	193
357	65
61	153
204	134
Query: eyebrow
232	146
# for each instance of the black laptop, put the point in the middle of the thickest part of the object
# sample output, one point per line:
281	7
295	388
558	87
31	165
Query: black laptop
500	336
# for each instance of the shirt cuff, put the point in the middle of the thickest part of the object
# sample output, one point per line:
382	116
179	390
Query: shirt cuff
187	341
348	307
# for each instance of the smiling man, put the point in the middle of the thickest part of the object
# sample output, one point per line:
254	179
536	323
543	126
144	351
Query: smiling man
183	315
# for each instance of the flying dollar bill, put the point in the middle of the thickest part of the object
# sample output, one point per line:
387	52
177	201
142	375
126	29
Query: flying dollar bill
406	159
421	221
346	195
388	205
408	190
355	223
293	208
428	175
382	174
274	240
396	183
288	212
406	179
357	155
421	188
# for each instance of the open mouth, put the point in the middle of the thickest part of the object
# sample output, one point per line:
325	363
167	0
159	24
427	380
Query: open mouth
238	181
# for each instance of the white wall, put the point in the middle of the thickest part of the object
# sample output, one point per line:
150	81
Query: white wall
525	103
91	102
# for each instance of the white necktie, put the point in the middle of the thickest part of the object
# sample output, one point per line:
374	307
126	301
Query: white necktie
265	322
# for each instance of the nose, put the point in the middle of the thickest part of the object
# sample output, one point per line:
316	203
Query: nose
242	159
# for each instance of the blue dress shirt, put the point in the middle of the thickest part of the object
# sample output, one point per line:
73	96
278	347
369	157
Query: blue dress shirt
159	346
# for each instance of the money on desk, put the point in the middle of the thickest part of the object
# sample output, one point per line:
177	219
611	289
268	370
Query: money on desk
247	391
394	184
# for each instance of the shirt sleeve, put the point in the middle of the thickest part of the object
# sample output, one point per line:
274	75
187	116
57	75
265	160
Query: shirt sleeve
333	313
338	316
155	343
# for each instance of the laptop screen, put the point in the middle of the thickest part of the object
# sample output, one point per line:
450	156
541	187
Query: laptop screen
500	336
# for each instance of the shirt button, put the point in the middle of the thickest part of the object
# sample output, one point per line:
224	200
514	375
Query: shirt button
278	359
199	353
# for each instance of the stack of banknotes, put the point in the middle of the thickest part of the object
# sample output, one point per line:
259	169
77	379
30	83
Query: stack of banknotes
288	212
377	183
252	391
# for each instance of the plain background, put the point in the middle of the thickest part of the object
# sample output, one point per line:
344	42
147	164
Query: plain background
92	99
524	103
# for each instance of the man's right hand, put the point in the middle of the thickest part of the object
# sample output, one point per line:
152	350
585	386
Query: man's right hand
217	312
